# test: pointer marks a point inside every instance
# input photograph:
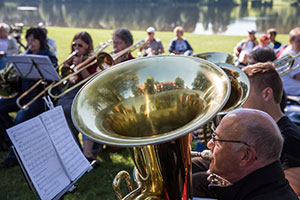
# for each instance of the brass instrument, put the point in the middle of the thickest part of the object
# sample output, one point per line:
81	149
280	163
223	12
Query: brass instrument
38	83
8	82
151	104
240	88
70	72
239	81
285	64
105	60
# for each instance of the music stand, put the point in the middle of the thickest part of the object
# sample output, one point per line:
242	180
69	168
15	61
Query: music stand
34	67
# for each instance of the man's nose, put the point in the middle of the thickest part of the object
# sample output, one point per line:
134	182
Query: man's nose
210	144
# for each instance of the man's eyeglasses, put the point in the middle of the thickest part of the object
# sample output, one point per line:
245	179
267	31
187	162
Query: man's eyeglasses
79	45
232	141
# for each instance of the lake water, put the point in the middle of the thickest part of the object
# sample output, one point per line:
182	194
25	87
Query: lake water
193	17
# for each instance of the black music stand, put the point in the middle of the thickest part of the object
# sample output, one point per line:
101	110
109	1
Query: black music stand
34	67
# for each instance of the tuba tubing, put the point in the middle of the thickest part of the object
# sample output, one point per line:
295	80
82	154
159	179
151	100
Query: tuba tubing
123	106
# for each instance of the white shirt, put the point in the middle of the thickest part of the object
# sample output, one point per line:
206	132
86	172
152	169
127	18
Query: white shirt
247	47
290	84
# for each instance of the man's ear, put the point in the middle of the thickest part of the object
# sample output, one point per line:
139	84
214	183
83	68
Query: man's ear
248	157
267	94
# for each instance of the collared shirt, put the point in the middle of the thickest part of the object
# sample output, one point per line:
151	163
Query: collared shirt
155	45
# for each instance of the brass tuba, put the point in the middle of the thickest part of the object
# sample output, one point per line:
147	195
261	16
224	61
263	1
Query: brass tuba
240	88
151	104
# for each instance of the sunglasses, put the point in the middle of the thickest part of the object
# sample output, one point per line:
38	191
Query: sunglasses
75	44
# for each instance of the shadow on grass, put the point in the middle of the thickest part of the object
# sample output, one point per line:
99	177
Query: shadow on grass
97	184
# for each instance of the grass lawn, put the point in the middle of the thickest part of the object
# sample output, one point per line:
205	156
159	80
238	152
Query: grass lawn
97	183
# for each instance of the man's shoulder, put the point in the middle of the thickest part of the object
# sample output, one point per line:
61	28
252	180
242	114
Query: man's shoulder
287	126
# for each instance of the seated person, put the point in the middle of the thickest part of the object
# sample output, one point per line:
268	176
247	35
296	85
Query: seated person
152	46
179	45
36	40
122	39
272	35
264	54
8	45
265	94
82	43
291	80
264	42
244	47
245	158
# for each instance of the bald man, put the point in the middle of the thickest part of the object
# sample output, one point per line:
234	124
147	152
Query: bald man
245	161
265	94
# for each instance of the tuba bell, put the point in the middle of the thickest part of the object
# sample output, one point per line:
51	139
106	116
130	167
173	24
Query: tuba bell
240	88
151	104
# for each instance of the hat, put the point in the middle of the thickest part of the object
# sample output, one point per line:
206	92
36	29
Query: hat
150	29
251	31
271	30
264	37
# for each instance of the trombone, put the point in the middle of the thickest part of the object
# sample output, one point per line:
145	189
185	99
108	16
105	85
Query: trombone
103	60
51	85
285	64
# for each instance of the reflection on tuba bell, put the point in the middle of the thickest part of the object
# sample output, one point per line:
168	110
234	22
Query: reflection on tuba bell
240	85
240	88
151	104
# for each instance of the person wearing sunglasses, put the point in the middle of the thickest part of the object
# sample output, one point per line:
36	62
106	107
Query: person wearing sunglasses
246	148
82	43
152	46
36	45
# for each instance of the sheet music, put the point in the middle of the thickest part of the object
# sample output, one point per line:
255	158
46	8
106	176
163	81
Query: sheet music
69	152
39	157
25	68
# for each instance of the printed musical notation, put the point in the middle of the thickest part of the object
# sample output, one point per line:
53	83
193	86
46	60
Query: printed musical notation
67	149
48	152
